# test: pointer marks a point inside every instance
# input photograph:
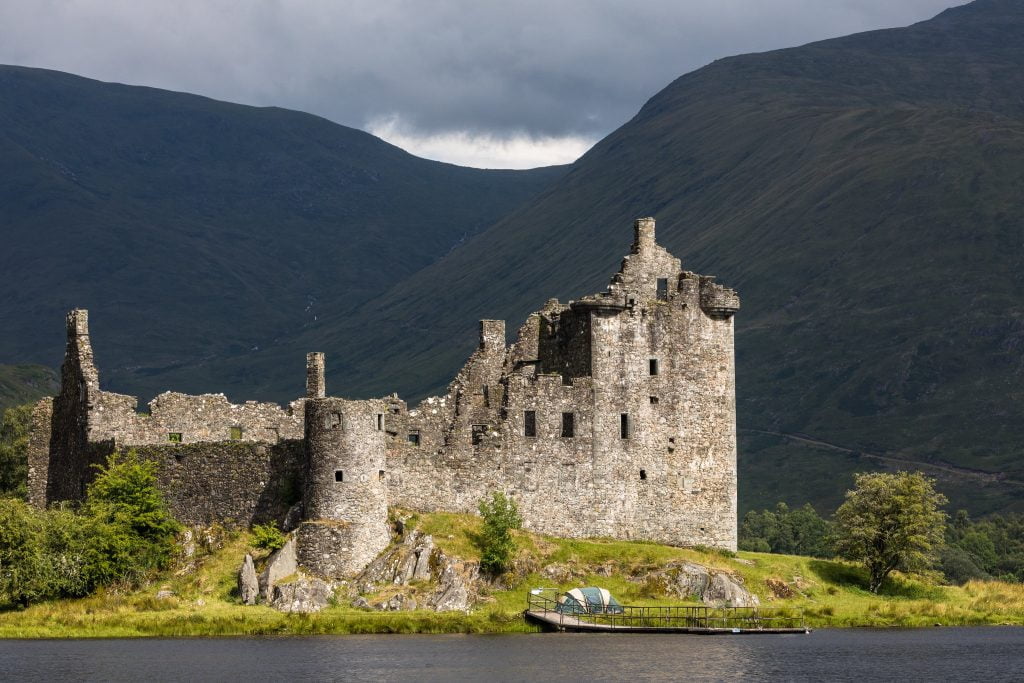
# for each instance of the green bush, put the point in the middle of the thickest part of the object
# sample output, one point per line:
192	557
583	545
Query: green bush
268	537
14	450
799	531
121	534
497	547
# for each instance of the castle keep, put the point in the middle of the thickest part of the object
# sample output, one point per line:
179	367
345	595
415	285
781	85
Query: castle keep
613	415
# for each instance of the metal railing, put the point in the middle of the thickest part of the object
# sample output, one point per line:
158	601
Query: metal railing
544	601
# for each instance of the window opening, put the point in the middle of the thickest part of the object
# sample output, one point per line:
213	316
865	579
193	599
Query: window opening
662	289
530	423
236	433
339	475
332	421
652	365
478	434
380	475
624	426
380	422
414	438
568	425
643	475
654	400
174	437
487	396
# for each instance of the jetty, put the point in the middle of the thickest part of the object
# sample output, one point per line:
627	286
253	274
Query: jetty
545	610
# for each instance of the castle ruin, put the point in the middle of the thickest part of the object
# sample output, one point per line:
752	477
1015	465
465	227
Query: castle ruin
610	416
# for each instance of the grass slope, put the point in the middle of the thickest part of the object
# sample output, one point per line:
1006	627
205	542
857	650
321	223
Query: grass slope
195	229
827	593
25	383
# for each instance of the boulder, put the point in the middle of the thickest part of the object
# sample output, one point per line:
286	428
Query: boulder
305	594
284	562
725	590
248	583
453	590
361	603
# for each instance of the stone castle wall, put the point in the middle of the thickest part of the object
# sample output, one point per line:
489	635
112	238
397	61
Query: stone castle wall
613	416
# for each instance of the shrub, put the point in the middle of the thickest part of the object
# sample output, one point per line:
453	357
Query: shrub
268	537
497	547
14	450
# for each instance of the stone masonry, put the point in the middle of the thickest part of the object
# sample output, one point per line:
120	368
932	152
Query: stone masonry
611	416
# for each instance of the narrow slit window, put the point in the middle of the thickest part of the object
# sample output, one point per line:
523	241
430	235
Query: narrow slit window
662	289
174	437
414	438
530	423
339	475
485	390
624	425
380	422
652	366
236	433
568	425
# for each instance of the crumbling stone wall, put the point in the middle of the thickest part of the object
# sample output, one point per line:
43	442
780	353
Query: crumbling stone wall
612	415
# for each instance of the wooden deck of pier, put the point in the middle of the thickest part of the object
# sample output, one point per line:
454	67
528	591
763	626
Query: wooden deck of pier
556	621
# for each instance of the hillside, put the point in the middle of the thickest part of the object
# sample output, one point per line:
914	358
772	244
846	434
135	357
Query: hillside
195	229
863	194
25	383
203	601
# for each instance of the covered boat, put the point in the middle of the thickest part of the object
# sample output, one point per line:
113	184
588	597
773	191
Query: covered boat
591	600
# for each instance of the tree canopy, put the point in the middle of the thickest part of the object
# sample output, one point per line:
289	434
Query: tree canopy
889	522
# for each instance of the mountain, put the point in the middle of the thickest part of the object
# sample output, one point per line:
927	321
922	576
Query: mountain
25	383
194	229
864	196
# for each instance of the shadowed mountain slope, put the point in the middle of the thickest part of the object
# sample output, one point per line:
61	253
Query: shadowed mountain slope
196	229
864	195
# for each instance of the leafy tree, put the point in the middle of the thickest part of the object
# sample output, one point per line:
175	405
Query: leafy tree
125	495
497	546
14	450
889	522
268	536
994	546
801	531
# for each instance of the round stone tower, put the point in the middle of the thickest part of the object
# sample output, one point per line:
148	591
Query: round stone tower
345	497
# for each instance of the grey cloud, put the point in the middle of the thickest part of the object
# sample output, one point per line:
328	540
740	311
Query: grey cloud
552	67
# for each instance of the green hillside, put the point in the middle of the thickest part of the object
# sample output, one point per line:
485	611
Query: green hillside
25	383
864	196
195	230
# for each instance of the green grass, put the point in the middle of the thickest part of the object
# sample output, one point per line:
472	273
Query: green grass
827	594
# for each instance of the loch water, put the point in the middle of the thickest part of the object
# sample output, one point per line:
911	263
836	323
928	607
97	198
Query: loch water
937	654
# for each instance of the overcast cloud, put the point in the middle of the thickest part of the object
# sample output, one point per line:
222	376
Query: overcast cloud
507	84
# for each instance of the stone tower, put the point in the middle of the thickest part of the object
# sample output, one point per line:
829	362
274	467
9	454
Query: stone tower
345	493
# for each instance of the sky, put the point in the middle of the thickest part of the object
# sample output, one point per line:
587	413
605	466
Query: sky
484	83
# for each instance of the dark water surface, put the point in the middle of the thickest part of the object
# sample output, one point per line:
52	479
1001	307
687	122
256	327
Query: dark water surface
941	654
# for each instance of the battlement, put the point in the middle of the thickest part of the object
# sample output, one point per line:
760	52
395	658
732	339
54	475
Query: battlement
716	300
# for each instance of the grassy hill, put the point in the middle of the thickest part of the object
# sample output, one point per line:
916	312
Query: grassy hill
25	383
825	593
862	193
196	230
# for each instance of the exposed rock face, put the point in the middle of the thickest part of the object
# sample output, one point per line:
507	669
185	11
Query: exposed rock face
417	559
248	583
281	564
713	587
304	594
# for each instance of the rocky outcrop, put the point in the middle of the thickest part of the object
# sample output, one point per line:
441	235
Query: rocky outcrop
416	560
303	594
686	580
283	563
248	583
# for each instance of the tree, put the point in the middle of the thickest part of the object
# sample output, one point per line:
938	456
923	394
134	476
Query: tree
800	531
14	450
497	547
889	522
